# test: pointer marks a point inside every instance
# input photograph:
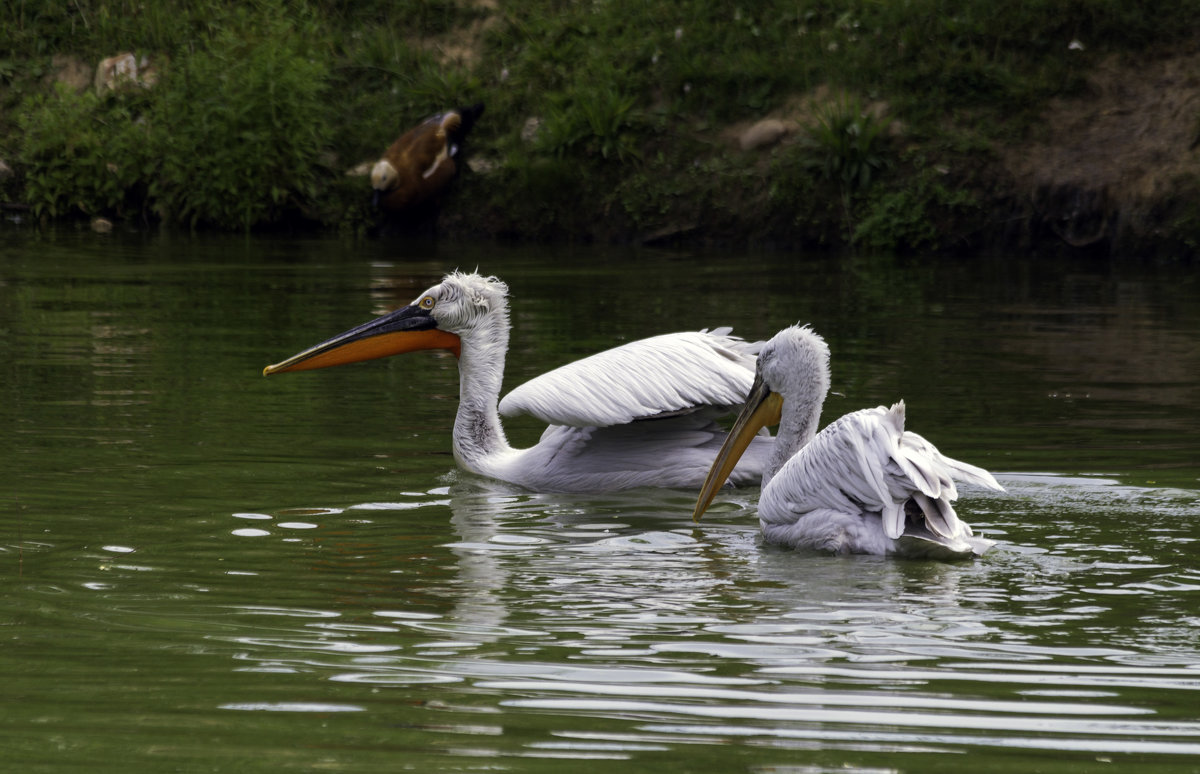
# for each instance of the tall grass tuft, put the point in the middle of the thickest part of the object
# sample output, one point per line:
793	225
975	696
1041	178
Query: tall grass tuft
848	143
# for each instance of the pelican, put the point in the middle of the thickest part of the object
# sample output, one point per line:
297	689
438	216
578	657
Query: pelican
641	414
862	485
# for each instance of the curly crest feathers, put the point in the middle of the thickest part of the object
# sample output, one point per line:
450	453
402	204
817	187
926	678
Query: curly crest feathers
466	301
478	289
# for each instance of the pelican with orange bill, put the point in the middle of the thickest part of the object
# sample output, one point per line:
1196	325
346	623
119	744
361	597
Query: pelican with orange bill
641	414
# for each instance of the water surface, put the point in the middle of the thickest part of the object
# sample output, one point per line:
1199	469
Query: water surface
206	570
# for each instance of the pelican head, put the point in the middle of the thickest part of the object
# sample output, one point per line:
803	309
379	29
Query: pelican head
466	302
438	318
792	373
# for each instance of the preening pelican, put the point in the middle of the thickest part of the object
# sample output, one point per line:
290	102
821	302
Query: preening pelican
863	485
641	414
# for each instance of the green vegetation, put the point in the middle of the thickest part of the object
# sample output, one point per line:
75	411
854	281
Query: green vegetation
228	141
605	118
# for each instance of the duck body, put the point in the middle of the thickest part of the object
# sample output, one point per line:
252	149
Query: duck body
422	162
863	485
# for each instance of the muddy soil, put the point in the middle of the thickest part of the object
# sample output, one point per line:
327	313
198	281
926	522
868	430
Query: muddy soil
1109	167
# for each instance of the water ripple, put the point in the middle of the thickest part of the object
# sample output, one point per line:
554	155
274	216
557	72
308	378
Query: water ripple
869	738
822	698
1126	735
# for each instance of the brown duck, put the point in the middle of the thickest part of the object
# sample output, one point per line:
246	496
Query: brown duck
421	164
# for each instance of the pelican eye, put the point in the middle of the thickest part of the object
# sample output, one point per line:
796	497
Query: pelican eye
426	303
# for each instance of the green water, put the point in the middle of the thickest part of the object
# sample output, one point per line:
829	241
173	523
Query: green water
205	570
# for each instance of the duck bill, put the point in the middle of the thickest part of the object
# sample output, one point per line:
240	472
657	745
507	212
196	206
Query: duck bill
763	408
405	330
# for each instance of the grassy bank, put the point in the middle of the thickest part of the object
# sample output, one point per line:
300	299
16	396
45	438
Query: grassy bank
605	120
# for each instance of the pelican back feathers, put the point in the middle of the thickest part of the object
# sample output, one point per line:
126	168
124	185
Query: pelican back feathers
864	463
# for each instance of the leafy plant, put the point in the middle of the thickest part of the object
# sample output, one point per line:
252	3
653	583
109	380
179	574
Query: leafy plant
596	119
240	126
262	106
83	153
849	144
913	216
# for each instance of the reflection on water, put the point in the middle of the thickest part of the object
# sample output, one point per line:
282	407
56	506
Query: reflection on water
205	570
571	610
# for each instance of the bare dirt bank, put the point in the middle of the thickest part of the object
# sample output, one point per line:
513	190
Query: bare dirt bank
1115	168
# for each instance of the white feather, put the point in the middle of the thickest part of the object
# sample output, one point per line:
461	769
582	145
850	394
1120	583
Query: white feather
662	375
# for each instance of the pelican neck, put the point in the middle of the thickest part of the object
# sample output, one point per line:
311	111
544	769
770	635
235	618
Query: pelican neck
478	432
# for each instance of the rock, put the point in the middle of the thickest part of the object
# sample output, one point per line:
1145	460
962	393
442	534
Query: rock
124	70
529	132
763	134
114	71
71	71
669	234
482	166
149	67
101	225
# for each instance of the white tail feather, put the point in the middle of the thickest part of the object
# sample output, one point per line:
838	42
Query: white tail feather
969	474
893	520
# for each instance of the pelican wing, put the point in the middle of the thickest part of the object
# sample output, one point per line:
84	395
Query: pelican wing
916	447
865	462
844	467
675	373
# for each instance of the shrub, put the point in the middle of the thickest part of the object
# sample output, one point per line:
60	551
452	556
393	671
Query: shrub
83	153
913	216
231	136
240	126
245	123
